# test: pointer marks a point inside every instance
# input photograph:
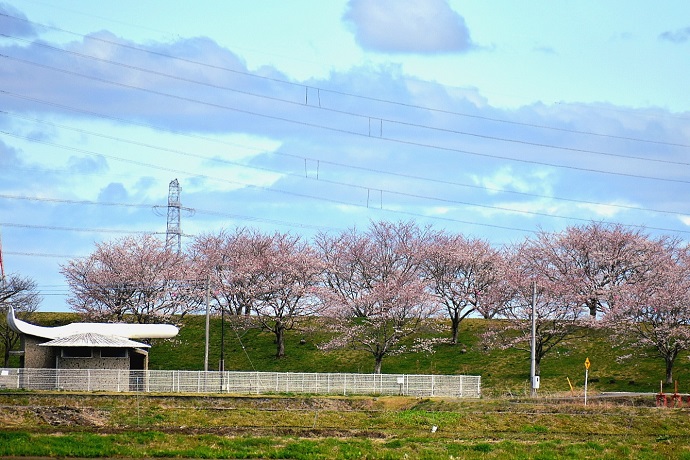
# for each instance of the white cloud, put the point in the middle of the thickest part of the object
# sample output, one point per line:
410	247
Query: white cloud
11	26
676	36
506	179
597	211
408	26
440	210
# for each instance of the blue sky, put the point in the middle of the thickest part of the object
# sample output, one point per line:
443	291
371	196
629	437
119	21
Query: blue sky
493	119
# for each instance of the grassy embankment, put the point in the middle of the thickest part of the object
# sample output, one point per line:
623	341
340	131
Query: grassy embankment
503	372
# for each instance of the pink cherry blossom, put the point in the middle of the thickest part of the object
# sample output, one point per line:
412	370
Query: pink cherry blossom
373	290
132	278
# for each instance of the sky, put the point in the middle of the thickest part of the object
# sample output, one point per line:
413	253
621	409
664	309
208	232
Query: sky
493	119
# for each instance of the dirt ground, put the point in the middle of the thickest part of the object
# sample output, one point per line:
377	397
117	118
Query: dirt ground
62	413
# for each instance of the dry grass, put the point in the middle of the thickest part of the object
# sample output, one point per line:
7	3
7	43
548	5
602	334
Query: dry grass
322	427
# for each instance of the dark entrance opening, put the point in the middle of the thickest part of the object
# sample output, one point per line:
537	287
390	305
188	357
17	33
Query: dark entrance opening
138	364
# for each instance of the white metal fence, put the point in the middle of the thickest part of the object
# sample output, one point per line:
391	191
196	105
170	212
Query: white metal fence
459	386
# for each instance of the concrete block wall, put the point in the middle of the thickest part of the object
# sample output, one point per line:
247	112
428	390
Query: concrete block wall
96	362
35	356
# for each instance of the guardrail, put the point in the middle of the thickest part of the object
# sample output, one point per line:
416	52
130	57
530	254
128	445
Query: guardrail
175	381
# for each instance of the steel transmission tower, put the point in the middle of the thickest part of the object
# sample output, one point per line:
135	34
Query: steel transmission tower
173	234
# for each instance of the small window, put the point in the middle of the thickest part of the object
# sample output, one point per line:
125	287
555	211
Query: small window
77	352
113	352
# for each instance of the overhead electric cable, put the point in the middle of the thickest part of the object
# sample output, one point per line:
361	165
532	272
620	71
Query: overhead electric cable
355	186
39	254
342	93
316	160
344	131
149	206
80	229
62	200
354	114
257	187
550	215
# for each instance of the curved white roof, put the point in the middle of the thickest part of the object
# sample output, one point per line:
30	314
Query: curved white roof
128	331
94	340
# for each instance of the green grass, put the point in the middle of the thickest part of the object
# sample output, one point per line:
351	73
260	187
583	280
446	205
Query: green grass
358	427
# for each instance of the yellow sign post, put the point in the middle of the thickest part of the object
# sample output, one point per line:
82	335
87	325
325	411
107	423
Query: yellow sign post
587	364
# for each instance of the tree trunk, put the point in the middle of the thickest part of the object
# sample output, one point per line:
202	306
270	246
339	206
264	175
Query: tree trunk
377	365
8	343
669	371
592	305
280	341
455	326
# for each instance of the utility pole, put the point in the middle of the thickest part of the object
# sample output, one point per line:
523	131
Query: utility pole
222	338
222	348
208	313
534	379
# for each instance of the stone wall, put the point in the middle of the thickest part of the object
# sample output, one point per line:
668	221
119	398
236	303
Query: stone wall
35	356
95	362
38	357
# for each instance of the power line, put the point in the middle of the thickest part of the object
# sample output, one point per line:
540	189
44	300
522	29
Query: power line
350	113
316	160
383	138
172	170
346	131
150	206
343	93
80	229
549	215
39	254
66	201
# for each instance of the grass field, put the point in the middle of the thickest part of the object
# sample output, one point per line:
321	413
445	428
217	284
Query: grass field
504	424
99	425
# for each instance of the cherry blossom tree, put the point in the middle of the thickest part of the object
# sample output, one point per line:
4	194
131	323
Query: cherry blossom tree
227	262
558	313
596	261
288	272
465	276
21	294
655	313
134	277
373	288
268	278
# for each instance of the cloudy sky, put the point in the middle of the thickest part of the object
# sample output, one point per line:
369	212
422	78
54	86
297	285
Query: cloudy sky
493	119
